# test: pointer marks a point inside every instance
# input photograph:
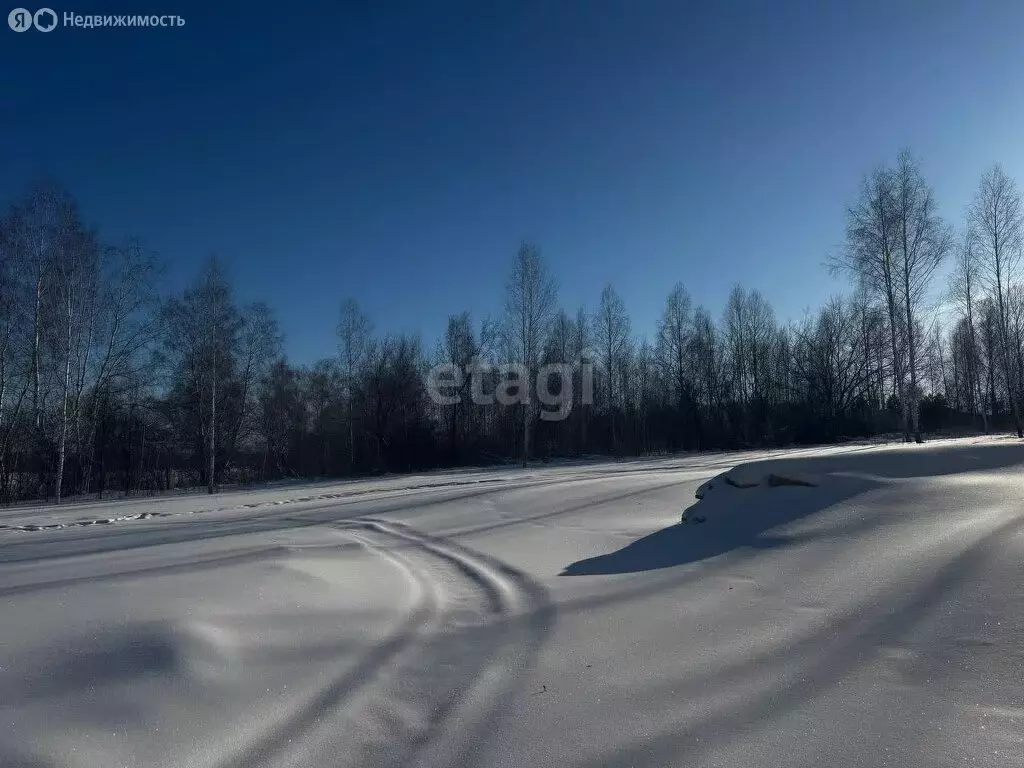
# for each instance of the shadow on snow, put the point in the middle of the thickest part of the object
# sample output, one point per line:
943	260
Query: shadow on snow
744	518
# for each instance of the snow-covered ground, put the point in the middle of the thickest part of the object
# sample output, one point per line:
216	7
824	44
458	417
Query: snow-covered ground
556	616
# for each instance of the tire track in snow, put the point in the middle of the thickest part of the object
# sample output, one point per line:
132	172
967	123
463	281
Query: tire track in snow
427	694
275	741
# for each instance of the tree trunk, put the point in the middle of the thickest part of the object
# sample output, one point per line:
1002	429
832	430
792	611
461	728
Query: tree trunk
526	431
62	449
1011	387
897	364
975	383
912	402
37	413
351	437
210	484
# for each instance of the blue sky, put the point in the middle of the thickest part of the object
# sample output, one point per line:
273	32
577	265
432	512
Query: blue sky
399	152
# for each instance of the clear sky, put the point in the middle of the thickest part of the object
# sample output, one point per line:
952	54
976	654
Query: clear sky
398	153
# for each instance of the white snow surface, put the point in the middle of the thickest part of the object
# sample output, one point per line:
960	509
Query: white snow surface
555	616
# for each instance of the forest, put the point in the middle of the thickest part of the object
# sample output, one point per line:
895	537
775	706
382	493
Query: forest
110	387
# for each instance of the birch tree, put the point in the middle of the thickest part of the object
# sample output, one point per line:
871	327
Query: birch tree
613	328
530	304
201	332
14	369
76	284
869	256
354	348
460	349
964	290
923	241
996	222
675	327
124	331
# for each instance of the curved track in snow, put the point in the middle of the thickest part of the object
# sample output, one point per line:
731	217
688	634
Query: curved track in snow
419	696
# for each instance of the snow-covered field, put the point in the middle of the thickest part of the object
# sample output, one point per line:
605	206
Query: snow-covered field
556	616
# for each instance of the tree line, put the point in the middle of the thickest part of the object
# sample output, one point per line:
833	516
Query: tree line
108	386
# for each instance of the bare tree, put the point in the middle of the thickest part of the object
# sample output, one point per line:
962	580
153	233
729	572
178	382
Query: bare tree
354	346
282	416
873	331
872	245
613	329
1015	323
761	334
76	288
675	328
394	380
582	336
38	233
936	362
259	345
201	333
460	349
828	360
708	360
996	221
644	369
923	241
14	378
125	330
963	289
530	304
560	343
734	323
750	331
